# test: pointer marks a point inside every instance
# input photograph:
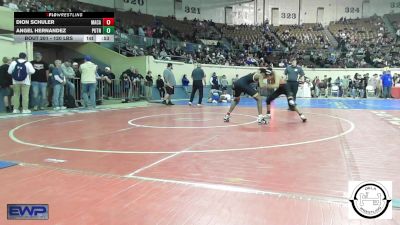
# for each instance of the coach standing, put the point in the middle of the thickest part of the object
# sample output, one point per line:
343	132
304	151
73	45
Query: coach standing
293	73
170	82
199	78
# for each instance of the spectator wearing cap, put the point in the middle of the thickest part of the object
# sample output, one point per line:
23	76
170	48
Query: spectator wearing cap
21	87
199	79
170	82
39	82
88	81
75	67
5	86
69	73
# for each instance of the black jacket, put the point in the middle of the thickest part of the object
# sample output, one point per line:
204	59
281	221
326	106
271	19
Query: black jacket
5	78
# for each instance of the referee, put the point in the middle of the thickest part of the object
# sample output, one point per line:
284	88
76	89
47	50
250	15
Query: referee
199	78
293	74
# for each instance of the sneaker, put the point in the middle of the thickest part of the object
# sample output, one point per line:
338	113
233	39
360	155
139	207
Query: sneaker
199	105
164	102
56	108
170	103
16	111
267	117
261	120
63	108
36	108
190	104
26	111
226	118
303	118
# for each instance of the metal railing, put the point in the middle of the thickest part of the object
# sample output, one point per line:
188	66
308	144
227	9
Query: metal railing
114	89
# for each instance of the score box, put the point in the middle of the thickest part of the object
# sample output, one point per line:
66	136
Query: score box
108	22
108	30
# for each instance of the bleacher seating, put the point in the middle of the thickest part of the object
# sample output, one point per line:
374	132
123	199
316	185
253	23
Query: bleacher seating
305	36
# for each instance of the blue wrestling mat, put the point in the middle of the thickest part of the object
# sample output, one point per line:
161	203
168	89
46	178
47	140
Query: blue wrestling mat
327	103
6	164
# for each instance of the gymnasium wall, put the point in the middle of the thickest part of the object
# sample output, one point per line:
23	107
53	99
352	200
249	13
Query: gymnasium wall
9	48
158	66
7	19
252	12
116	61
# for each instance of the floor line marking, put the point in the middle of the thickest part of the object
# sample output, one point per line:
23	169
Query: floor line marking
72	121
237	189
169	157
222	187
130	122
153	164
15	139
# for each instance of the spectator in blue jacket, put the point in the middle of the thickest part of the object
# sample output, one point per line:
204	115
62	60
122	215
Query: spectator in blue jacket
387	83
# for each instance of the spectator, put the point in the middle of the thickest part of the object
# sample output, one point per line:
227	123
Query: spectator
160	86
39	82
13	5
5	86
365	84
126	86
346	83
149	86
379	86
387	83
69	75
132	79
170	83
198	77
373	82
139	84
59	82
108	77
316	83
141	31
75	67
214	81
21	71
185	84
88	82
224	83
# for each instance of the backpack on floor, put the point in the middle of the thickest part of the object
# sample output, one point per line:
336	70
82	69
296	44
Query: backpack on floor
69	101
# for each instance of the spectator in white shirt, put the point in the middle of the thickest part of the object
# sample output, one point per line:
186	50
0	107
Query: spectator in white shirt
21	87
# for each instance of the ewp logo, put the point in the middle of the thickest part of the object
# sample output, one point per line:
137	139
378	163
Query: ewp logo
27	212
